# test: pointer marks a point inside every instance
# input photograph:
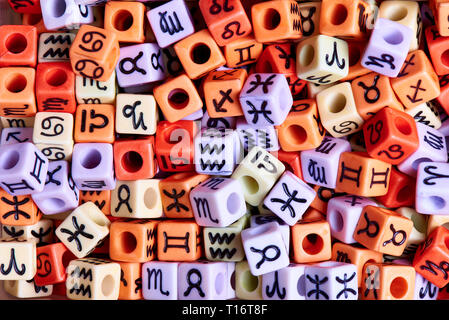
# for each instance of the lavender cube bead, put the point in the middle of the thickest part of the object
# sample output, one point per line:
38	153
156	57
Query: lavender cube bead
250	136
285	284
140	64
387	48
259	220
432	188
93	166
266	99
160	280
171	22
23	168
60	193
59	14
16	135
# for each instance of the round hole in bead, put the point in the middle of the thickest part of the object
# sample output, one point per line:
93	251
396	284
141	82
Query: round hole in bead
233	203
301	285
132	161
150	198
219	283
16	83
56	77
296	134
128	242
232	280
122	20
312	244
396	13
337	103
53	204
339	14
393	37
16	43
306	55
403	126
92	159
403	194
58	8
107	285
248	281
416	163
178	99
272	19
336	221
10	159
445	58
200	53
398	287
250	184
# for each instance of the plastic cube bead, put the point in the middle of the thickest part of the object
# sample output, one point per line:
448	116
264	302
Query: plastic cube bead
431	192
242	52
401	191
269	217
16	135
285	284
18	211
17	259
160	280
52	261
247	285
18	46
311	241
94	123
40	231
250	136
64	14
27	289
54	47
17	94
131	281
126	20
90	91
136	114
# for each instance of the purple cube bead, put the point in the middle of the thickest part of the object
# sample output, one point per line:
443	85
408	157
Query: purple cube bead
140	64
60	193
23	168
266	99
250	136
285	284
387	48
432	188
160	280
171	22
16	135
259	220
93	166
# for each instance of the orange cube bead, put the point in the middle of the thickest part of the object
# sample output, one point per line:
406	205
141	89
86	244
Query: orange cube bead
312	214
242	52
18	46
373	92
94	53
302	129
363	176
383	230
343	252
126	19
432	257
94	123
134	158
177	98
221	92
18	210
55	87
102	199
175	191
382	281
199	54
277	58
179	240
130	281
276	21
311	241
440	9
443	98
291	161
344	18
52	261
438	50
401	192
133	240
226	20
417	81
17	98
391	136
29	6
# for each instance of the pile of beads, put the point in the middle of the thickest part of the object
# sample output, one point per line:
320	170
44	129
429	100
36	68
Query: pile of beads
225	149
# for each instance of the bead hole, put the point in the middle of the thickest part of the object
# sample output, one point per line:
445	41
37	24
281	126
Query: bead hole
107	285
200	53
219	283
248	281
337	103
92	159
272	19
10	159
336	221
250	184
123	20
312	244
132	161
403	126
398	287
394	37
150	198
339	15
58	8
16	43
396	13
128	242
178	99
17	83
56	77
296	134
306	55
233	203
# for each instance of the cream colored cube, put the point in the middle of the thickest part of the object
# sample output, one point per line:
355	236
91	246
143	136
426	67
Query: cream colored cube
90	91
26	289
137	199
427	114
17	259
53	128
257	173
54	47
406	13
93	279
322	59
42	232
55	152
17	122
313	89
225	244
337	110
247	286
84	229
135	114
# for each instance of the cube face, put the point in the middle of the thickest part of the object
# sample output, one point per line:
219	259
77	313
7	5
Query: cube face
427	114
90	91
133	240
102	199
171	22
94	123
54	47
311	241
322	59
160	280
93	279
18	260
136	114
287	283
41	232
17	97
27	289
52	261
70	18
131	275
259	220
55	128
264	137
289	198
431	187
18	210
331	281
267	94
424	289
18	46
125	20
16	135
242	52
